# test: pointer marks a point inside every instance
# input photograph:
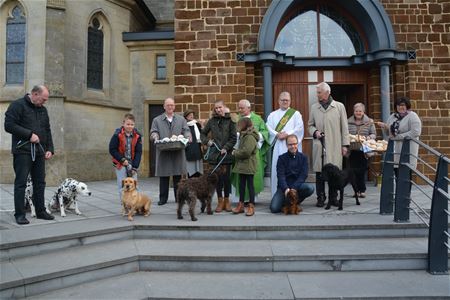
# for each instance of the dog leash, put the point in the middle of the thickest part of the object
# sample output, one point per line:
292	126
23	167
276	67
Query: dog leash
208	153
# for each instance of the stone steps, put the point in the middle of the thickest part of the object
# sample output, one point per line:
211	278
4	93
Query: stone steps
48	237
45	272
267	285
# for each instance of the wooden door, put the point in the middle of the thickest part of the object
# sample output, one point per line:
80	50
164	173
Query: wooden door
348	86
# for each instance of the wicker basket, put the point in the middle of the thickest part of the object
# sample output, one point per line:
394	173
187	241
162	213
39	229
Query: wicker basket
170	146
355	145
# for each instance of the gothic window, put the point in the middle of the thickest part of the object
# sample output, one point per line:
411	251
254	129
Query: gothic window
95	55
318	31
15	47
161	69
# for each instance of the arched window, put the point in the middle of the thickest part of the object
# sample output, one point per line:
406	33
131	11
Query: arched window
95	55
15	46
318	31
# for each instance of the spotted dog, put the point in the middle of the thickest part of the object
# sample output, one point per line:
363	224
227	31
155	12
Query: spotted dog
66	195
29	197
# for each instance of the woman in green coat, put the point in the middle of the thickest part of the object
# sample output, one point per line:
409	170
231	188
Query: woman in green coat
246	164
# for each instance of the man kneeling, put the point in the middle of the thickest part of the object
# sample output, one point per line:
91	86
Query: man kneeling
292	170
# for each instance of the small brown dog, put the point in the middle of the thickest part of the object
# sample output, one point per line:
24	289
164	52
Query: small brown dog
291	206
132	201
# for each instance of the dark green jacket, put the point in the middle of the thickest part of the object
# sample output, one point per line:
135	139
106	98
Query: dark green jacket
245	161
223	133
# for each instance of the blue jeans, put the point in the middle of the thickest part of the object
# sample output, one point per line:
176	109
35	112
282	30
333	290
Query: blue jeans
305	190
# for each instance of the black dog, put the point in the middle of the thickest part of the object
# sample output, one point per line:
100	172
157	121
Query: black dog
202	188
337	180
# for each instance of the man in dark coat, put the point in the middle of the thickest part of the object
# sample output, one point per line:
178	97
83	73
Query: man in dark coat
28	122
169	163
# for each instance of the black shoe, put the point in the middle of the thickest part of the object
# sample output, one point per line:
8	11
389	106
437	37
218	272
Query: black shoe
21	220
320	201
45	216
162	202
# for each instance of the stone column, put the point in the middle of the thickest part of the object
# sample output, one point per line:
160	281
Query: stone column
384	90
54	79
267	73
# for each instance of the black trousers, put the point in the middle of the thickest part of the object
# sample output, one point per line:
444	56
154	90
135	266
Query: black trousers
358	163
224	183
246	180
164	187
320	187
23	165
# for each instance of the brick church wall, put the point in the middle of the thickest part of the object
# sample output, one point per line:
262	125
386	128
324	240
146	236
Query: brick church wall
208	34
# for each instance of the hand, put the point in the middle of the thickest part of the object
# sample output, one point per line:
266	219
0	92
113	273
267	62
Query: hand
232	153
125	163
223	151
210	143
282	135
286	192
48	155
34	139
318	134
344	151
155	136
382	125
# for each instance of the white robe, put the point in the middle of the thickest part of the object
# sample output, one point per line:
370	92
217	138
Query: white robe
293	126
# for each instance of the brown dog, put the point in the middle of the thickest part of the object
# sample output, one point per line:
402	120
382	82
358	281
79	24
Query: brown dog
291	204
132	201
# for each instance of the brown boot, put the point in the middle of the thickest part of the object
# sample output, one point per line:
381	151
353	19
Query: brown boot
250	211
219	207
227	204
239	209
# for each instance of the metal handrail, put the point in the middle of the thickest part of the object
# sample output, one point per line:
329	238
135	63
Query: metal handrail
438	217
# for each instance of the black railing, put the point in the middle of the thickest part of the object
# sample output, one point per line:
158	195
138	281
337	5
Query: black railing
400	181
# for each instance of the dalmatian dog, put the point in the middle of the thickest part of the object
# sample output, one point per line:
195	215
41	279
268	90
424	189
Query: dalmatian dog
66	195
29	197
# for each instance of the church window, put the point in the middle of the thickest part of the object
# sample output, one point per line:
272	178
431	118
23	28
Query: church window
15	46
318	31
95	55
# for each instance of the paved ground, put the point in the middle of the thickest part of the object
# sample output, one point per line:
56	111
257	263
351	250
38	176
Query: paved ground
105	202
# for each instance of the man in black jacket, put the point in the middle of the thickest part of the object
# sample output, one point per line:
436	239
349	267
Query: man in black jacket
28	122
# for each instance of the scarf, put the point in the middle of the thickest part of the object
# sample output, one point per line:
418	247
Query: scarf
196	131
327	103
395	126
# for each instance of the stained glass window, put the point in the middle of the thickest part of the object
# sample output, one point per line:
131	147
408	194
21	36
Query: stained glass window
161	70
15	47
95	55
319	31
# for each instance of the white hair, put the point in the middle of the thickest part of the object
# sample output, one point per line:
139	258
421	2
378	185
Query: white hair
324	86
246	103
360	105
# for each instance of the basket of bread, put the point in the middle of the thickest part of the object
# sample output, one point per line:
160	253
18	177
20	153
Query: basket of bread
173	143
375	145
356	141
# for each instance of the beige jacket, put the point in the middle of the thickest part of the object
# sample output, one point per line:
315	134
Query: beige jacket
332	122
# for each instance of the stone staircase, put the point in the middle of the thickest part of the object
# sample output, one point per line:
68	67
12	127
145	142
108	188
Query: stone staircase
221	257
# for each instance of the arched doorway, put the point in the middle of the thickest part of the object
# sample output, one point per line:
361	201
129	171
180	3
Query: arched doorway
304	42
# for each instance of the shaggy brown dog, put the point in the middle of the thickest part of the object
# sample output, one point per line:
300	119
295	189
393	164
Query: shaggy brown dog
201	188
132	201
291	206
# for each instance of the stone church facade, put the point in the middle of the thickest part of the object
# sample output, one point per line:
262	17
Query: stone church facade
200	51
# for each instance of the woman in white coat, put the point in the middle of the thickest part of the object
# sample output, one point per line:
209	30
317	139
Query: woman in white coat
401	124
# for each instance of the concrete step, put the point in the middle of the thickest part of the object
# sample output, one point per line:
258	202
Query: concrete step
313	285
46	272
28	241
